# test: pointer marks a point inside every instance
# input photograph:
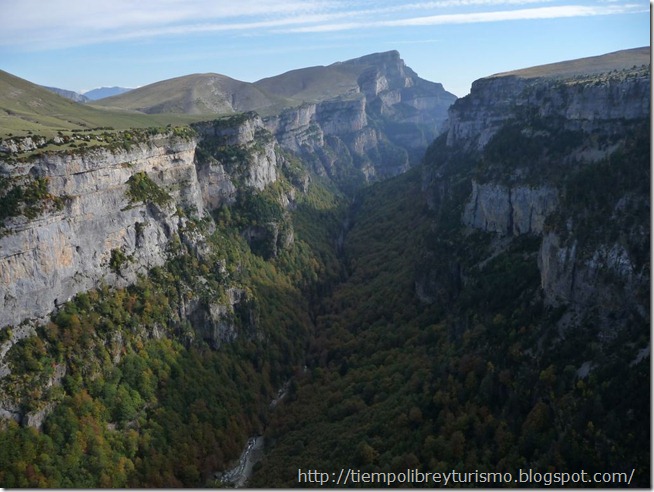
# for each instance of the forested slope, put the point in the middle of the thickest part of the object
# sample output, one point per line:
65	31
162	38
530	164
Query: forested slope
480	380
129	389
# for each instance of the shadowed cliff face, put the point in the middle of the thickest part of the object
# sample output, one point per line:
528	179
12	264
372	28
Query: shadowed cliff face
586	102
564	158
511	312
509	210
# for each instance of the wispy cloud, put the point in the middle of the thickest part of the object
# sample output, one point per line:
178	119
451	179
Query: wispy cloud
60	23
478	17
37	25
520	14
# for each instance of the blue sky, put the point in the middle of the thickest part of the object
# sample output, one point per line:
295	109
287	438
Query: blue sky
83	44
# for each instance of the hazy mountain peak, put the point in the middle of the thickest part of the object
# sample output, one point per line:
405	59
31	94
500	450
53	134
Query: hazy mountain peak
102	92
72	95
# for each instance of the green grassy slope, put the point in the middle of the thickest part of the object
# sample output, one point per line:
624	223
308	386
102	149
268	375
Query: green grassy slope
313	84
196	94
25	107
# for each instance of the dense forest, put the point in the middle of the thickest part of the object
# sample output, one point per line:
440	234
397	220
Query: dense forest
480	381
439	350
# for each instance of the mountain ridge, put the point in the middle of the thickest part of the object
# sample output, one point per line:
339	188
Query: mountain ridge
220	93
72	95
91	95
591	65
391	89
27	108
375	122
201	93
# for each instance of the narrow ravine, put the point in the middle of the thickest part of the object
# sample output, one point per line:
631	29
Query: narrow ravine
239	475
253	452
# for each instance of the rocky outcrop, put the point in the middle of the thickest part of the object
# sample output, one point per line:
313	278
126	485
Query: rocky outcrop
22	144
604	282
509	210
218	323
336	137
236	150
567	278
342	117
72	95
296	128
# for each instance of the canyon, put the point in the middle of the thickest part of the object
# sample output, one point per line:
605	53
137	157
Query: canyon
475	271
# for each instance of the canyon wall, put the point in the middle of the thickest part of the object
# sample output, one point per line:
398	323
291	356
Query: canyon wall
562	158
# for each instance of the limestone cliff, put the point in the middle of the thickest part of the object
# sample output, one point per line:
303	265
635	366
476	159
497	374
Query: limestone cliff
47	260
509	210
235	151
82	218
577	100
106	214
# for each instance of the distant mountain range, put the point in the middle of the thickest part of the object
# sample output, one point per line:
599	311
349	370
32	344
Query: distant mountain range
393	89
208	93
72	95
199	96
102	92
92	95
214	93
